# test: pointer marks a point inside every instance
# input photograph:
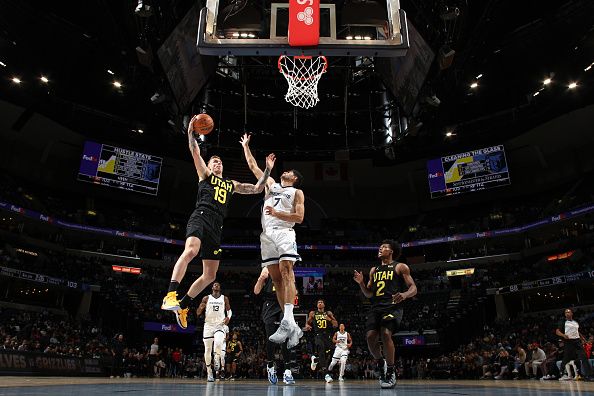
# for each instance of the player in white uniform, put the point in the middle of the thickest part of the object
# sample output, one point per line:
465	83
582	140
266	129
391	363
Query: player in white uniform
343	342
283	207
218	314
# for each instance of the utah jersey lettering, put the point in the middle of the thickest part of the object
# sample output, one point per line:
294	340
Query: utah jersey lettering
385	283
214	193
281	199
215	310
320	322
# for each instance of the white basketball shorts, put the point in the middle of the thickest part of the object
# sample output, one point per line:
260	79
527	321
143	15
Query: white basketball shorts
278	244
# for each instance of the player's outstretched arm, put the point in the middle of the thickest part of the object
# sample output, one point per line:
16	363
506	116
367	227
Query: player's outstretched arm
247	188
249	157
199	164
358	277
334	340
349	341
404	270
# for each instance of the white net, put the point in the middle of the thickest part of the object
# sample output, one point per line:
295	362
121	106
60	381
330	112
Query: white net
302	74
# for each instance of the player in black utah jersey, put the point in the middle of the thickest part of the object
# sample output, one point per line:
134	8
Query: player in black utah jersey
320	321
203	233
389	286
272	314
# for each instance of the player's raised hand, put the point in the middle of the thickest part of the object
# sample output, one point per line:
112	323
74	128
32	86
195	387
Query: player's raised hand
270	161
245	140
307	328
358	276
226	320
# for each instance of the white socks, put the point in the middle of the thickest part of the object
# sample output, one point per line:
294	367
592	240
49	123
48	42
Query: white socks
289	313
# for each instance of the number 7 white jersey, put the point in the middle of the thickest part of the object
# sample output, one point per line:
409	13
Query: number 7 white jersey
215	310
281	199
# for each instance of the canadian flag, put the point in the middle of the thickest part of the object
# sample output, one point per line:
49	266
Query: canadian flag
331	171
304	23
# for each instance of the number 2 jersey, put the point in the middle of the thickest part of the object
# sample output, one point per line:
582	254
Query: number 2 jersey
384	283
214	194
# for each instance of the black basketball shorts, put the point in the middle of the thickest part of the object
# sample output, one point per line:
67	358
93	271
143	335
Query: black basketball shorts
208	227
387	316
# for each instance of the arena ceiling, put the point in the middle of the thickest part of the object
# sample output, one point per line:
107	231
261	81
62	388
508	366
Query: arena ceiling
82	48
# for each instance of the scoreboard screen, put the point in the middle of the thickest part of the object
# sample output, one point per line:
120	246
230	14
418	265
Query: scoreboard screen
474	170
120	168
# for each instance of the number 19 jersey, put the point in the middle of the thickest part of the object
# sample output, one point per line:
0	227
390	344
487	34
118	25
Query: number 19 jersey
281	199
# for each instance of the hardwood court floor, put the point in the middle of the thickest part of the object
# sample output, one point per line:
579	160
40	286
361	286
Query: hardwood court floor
146	386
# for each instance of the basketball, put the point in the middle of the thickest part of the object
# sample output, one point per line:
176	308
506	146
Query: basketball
203	124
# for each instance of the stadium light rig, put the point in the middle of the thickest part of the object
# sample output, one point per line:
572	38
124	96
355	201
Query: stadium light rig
44	79
572	85
547	81
16	80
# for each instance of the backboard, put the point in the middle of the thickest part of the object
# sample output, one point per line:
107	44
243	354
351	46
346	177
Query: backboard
259	28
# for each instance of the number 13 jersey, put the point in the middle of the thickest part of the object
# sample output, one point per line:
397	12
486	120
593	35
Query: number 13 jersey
282	200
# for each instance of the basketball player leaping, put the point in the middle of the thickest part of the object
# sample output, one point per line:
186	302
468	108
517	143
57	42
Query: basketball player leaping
389	285
203	233
343	341
218	313
283	207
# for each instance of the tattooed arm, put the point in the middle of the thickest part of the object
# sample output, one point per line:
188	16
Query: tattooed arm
247	188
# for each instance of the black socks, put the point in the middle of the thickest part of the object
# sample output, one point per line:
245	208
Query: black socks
173	286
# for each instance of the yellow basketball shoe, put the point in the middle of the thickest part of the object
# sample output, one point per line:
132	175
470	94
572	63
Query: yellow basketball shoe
170	302
181	315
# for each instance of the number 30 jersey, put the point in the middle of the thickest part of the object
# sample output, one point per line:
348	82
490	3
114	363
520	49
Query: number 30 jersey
386	282
281	199
214	193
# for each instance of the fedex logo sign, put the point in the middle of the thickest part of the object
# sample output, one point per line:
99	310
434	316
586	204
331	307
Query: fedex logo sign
304	22
89	158
435	175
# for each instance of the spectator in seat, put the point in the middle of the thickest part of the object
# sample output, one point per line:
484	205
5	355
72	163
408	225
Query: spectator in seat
537	360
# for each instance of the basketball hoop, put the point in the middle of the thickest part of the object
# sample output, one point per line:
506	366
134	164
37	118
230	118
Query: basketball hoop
302	74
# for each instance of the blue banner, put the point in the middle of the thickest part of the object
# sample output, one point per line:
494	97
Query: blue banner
253	246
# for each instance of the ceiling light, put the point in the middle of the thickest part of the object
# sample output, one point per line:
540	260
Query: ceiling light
2	64
358	37
16	80
586	69
117	84
449	134
110	72
244	35
572	85
235	34
474	85
536	93
251	35
367	38
547	81
479	76
349	37
140	131
44	79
